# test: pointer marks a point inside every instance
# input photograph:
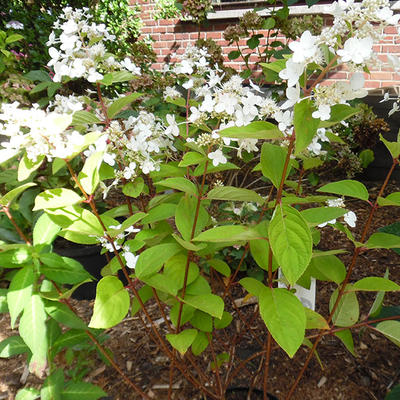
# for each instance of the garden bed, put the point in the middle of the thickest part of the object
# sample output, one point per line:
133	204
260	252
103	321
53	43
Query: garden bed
368	375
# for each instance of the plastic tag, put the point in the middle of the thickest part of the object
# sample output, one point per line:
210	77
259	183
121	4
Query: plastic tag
306	296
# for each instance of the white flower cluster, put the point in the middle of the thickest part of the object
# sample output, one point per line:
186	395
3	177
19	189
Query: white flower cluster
66	104
119	237
233	104
138	143
193	60
82	52
38	132
357	26
350	217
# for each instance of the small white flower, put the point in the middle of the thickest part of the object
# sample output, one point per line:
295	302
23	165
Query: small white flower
189	84
131	259
323	113
130	170
332	221
292	95
217	157
356	50
292	72
350	218
130	66
305	48
335	202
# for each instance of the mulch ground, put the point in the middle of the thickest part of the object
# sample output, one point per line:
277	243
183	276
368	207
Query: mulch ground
365	376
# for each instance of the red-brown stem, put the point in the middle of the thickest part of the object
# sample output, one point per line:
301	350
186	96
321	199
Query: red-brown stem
6	211
301	173
187	113
216	367
346	280
161	307
266	370
321	76
161	341
103	106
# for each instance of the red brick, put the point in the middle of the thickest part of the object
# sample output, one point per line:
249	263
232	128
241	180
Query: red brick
390	30
214	35
160	29
372	84
379	76
338	75
390	49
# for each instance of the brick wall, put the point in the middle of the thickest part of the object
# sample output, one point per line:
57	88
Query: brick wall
172	36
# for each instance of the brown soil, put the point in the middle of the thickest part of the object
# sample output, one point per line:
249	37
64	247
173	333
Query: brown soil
366	376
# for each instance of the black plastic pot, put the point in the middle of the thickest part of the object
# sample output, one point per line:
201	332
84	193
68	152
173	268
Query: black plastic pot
241	392
92	261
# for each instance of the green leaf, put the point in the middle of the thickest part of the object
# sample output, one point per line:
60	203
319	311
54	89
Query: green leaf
284	317
27	394
393	147
183	340
209	303
185	216
191	158
200	343
234	54
255	130
291	242
84	117
19	292
375	284
304	124
151	260
32	328
12	346
15	37
15	258
120	103
13	194
227	233
315	320
160	212
253	286
63	314
347	338
175	269
118	76
62	269
70	338
377	304
52	386
391	329
231	193
133	189
381	240
89	176
339	113
38	75
40	87
273	159
394	394
318	215
45	230
202	321
181	184
27	166
221	266
221	323
393	199
56	198
348	311
327	268
82	391
346	187
111	304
